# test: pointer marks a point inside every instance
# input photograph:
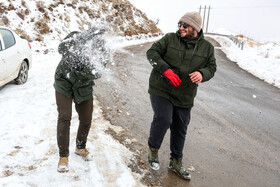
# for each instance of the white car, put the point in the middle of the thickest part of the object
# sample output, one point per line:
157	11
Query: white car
15	57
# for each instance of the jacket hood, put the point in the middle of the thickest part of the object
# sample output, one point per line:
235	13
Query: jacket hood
87	34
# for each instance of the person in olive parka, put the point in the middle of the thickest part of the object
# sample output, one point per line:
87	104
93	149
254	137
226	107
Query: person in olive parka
83	53
180	62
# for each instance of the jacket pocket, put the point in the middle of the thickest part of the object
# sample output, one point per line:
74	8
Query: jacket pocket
85	91
186	81
199	61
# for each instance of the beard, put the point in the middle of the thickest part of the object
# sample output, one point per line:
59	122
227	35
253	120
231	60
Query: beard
190	34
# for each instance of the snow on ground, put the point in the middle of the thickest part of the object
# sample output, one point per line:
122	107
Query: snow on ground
262	60
28	149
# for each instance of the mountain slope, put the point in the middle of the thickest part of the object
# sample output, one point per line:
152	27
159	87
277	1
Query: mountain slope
48	20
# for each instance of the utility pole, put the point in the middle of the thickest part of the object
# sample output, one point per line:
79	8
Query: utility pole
208	19
203	21
203	18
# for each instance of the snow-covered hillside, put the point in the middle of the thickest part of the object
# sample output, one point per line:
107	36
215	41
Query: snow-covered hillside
45	21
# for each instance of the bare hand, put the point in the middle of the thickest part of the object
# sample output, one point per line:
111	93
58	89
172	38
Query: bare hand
196	77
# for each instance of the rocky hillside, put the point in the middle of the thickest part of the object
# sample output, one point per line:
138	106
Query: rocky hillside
37	20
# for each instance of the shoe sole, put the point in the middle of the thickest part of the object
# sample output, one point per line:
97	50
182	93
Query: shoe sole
63	170
186	178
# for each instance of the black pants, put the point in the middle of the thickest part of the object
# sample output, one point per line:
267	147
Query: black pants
166	115
64	108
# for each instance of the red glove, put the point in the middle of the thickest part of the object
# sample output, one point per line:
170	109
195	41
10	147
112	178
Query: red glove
173	78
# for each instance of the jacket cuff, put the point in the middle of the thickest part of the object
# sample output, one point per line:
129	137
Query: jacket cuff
201	73
163	68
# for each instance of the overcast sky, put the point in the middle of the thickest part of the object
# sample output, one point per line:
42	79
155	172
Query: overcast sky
258	19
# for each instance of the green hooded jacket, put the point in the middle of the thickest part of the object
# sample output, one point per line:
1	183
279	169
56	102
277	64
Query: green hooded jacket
74	76
183	56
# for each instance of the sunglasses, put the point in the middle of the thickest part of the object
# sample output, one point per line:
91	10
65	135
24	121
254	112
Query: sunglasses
184	25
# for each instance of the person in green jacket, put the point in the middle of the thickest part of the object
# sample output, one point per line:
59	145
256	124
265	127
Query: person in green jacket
180	62
84	54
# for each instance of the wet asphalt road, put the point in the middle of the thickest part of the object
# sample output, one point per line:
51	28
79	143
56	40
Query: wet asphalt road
234	135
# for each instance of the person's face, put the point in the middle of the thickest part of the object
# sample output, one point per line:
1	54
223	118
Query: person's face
186	30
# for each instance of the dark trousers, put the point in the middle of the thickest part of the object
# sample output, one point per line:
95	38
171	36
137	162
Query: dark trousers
166	115
64	108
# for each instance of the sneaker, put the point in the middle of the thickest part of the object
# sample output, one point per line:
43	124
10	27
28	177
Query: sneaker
153	158
177	166
63	165
84	153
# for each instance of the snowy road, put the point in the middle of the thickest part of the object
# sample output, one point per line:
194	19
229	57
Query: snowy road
233	137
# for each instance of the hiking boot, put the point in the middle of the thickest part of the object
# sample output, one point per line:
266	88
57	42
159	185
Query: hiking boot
153	158
177	166
84	153
63	165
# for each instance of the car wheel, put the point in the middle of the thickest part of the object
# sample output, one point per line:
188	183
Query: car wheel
23	73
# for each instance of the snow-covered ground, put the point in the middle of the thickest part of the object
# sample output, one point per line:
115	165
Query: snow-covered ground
28	149
261	60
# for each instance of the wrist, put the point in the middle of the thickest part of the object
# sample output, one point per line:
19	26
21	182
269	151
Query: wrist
163	68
